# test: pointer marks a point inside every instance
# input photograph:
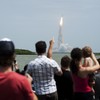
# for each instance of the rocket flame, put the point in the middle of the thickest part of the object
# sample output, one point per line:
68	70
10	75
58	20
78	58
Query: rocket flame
61	21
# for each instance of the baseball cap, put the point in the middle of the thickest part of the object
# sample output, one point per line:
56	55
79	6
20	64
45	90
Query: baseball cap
7	47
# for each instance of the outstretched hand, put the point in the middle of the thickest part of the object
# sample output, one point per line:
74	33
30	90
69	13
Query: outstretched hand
52	41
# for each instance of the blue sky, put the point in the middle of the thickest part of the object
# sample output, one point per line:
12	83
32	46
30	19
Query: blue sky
28	21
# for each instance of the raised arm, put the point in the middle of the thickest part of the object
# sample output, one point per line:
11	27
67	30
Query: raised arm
49	53
93	68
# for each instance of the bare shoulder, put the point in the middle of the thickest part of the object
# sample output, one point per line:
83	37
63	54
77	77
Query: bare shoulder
83	71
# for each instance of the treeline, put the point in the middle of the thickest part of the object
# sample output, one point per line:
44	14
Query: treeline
28	52
97	53
24	52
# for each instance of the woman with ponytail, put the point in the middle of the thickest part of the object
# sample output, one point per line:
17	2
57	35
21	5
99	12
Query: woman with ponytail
82	90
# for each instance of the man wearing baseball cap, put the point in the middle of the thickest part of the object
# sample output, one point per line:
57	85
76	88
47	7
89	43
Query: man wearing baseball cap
12	85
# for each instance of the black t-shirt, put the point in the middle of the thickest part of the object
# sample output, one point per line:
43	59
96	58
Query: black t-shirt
64	85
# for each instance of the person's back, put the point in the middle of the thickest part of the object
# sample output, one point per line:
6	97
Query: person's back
82	90
42	70
97	86
64	82
42	73
12	85
88	62
97	83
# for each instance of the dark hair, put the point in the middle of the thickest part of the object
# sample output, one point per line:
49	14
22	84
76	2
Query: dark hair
76	55
86	51
40	47
65	61
23	72
25	67
7	53
98	60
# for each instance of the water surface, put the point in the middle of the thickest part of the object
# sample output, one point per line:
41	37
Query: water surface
25	59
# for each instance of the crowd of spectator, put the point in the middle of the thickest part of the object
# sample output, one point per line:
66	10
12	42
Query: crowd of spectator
76	78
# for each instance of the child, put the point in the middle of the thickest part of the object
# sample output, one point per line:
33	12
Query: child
87	51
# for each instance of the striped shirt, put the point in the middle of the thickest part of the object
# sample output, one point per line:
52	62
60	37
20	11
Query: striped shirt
42	70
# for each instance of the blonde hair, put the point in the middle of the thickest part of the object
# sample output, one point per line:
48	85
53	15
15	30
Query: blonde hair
86	51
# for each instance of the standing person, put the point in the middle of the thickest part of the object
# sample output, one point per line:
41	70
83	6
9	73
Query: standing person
64	82
12	85
97	83
82	90
42	69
